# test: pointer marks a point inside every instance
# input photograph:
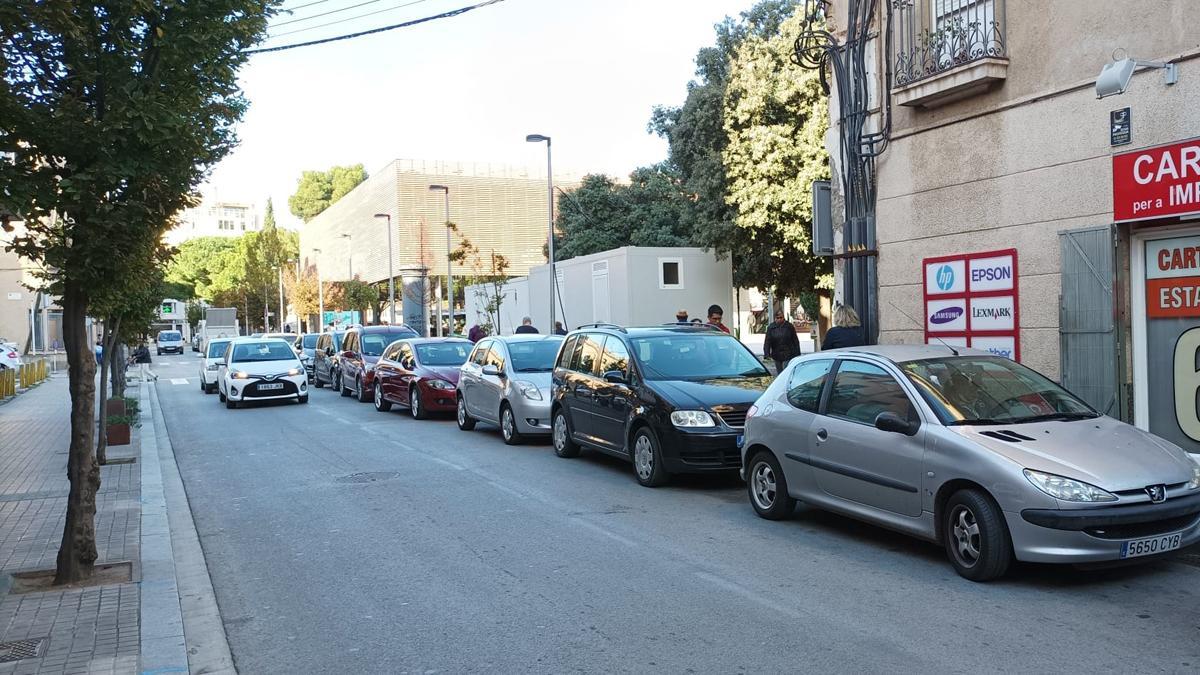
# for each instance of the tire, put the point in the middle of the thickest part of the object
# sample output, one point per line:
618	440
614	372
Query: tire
508	426
465	421
341	386
362	395
414	404
231	404
381	404
223	399
203	387
317	381
564	445
975	536
302	399
767	487
647	459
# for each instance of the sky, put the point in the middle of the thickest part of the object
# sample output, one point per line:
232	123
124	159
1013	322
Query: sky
469	88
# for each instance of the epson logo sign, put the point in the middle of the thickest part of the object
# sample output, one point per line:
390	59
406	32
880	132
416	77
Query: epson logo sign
998	273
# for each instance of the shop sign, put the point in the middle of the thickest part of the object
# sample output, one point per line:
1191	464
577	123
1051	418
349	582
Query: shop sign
1157	182
971	301
1173	277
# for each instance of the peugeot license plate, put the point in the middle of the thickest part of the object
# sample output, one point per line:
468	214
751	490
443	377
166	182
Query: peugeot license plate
1135	548
270	385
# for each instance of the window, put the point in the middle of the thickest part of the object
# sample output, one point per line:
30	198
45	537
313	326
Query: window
587	354
391	352
932	37
348	342
861	391
615	357
670	273
322	343
405	355
271	350
480	354
443	353
495	356
308	341
805	383
216	348
567	351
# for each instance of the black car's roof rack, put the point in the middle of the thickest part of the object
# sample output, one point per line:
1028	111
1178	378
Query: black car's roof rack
602	325
673	324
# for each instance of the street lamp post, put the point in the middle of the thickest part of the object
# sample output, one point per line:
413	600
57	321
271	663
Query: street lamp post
320	293
538	138
391	277
349	255
449	272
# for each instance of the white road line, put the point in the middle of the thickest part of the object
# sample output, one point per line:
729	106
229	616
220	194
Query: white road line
179	380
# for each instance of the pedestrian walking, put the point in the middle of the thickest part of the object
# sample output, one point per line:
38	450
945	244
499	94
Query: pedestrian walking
558	328
715	313
681	316
525	327
476	333
846	331
142	358
781	342
99	351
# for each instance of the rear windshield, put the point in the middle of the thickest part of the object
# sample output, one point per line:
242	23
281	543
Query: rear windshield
373	344
309	341
217	348
534	356
169	335
443	354
267	350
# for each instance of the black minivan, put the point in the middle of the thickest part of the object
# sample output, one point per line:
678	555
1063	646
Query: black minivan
670	399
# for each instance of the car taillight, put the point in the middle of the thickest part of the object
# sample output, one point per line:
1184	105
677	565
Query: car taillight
12	355
752	411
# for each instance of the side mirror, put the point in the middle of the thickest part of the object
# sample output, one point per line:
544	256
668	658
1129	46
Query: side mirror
891	422
615	376
329	351
491	369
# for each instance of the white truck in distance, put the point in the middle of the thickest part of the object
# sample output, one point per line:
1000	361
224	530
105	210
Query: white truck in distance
218	322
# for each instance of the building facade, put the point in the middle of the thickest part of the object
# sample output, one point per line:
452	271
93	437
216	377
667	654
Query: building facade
215	218
1017	212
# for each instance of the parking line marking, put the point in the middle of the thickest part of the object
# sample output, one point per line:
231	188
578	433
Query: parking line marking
179	380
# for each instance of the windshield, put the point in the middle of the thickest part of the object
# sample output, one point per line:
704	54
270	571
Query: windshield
168	336
695	357
267	350
373	344
443	354
216	348
309	341
534	356
991	390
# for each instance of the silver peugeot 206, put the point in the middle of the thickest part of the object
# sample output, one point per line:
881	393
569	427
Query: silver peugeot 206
969	450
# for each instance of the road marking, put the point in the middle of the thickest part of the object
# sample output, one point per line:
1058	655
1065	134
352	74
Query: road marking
179	380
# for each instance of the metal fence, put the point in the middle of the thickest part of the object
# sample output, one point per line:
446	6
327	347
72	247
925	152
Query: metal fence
1087	337
932	36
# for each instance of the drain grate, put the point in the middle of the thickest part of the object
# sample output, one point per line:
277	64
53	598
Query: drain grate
367	477
21	649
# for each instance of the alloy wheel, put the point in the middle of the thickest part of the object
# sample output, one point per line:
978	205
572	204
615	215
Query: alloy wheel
462	412
378	396
507	424
643	457
414	402
965	530
763	482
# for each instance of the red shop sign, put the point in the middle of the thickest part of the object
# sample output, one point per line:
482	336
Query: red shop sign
1157	182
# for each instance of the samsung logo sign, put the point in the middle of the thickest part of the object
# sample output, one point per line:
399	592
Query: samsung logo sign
946	315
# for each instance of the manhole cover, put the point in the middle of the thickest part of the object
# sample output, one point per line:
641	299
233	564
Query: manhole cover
21	649
367	477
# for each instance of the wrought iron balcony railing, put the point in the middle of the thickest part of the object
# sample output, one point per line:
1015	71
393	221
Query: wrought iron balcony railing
930	37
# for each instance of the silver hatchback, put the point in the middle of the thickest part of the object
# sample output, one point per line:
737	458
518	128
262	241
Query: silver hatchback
975	452
506	382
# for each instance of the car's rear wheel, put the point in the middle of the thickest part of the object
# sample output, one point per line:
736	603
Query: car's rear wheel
564	445
317	381
647	459
203	387
230	403
508	426
341	386
976	536
359	392
768	488
381	403
414	404
222	397
465	421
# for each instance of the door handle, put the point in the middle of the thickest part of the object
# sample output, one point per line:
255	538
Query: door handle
822	435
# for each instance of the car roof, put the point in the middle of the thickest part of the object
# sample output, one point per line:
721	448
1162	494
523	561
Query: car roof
251	338
905	353
428	340
383	329
523	337
651	331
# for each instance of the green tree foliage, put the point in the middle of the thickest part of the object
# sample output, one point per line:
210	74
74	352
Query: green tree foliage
111	113
196	264
359	296
318	190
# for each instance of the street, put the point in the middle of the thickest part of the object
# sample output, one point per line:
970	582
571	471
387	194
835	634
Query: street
340	539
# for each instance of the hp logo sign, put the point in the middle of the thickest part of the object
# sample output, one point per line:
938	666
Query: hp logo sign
945	277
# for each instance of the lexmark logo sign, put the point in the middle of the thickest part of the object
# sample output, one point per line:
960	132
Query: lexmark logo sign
991	312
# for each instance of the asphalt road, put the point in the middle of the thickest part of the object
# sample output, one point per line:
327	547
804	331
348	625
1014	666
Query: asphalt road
343	540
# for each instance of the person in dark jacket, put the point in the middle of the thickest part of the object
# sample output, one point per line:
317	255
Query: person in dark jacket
714	318
681	316
781	342
477	333
559	329
142	358
847	331
525	327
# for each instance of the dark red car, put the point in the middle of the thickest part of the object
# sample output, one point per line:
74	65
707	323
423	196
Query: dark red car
420	373
361	348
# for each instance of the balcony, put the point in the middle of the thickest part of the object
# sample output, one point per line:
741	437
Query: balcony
946	50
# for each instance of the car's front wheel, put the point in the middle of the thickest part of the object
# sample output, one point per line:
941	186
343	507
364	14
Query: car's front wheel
414	403
317	381
302	398
360	392
340	385
564	445
230	403
465	421
381	403
508	426
222	395
647	459
768	488
976	536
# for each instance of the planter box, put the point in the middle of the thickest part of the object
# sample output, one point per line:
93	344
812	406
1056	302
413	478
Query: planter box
114	407
118	434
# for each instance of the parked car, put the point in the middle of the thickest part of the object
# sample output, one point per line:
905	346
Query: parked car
306	348
9	357
325	356
169	341
361	348
670	399
420	374
210	365
261	369
288	337
506	382
976	452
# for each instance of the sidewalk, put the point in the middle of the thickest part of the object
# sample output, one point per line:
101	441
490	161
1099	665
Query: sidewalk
142	517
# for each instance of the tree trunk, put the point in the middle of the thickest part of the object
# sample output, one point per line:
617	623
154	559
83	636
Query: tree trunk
111	329
118	369
77	553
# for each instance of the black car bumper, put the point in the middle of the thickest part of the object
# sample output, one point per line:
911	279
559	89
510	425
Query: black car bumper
1114	516
695	451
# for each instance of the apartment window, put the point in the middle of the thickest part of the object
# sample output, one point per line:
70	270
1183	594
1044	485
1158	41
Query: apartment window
670	273
931	37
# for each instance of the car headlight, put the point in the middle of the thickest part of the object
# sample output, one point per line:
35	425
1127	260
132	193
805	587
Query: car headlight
692	418
1194	483
439	384
528	389
240	375
294	371
1067	489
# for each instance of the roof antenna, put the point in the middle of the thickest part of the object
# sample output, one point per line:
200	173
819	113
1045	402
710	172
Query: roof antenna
944	343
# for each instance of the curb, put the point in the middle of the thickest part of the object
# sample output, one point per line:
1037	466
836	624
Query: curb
181	629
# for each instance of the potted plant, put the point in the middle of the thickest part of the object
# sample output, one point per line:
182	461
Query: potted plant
117	428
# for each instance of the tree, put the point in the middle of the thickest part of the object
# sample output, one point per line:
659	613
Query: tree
195	264
488	274
359	296
318	190
111	114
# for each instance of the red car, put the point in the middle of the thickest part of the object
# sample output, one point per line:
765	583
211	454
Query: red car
361	348
420	373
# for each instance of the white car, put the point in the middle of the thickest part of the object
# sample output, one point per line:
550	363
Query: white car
9	358
169	341
261	369
210	365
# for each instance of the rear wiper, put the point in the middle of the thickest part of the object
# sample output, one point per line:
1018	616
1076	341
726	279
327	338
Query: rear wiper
1064	416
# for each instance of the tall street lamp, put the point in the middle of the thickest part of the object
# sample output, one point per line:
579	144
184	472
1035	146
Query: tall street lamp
449	273
320	293
391	277
349	256
538	138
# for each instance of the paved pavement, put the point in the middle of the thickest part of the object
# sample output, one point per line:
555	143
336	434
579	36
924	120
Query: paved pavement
342	540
